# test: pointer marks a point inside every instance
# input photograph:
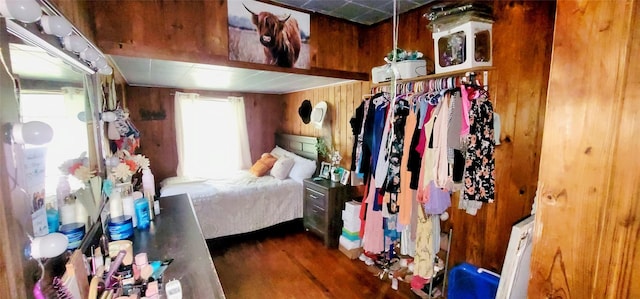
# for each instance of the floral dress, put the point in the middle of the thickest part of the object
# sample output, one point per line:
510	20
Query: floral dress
478	178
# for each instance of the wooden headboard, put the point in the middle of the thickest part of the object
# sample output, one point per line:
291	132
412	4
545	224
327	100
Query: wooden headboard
304	146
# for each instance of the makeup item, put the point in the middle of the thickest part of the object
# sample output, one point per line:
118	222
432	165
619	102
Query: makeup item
98	260
156	207
115	203
116	246
173	289
145	272
142	213
157	273
141	259
152	289
120	228
109	279
68	213
149	188
128	207
74	232
53	219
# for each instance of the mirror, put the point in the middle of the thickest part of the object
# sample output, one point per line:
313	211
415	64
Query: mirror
63	178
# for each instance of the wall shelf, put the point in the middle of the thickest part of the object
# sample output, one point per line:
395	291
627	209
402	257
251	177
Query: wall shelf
435	76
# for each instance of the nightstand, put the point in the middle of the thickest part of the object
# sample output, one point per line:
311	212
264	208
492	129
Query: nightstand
323	203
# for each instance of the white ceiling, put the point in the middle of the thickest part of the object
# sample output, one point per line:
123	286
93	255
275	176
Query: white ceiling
29	62
365	12
183	75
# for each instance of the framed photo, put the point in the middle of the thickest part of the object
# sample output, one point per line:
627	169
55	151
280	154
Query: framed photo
344	179
325	170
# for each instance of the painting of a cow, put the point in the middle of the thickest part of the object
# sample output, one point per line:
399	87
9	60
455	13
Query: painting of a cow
280	37
268	34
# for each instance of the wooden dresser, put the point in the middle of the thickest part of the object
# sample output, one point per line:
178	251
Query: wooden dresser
323	204
175	233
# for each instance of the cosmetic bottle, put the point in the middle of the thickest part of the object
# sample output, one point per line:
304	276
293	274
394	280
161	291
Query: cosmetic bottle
53	218
142	212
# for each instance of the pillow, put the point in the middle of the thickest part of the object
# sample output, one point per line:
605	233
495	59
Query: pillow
282	167
302	169
280	152
180	180
263	165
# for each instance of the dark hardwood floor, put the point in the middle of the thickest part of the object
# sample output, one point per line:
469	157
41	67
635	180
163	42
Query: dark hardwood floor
287	262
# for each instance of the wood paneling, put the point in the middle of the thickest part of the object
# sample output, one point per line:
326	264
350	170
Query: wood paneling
376	41
586	243
517	84
342	99
196	31
158	141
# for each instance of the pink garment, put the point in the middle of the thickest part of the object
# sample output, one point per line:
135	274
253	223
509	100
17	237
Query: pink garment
373	240
440	135
466	106
422	141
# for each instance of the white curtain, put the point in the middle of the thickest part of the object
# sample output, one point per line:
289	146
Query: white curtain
211	136
237	104
181	99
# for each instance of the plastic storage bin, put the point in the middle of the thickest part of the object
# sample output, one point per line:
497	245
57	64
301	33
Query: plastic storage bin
467	281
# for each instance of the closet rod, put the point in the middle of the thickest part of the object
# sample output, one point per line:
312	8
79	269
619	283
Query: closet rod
435	76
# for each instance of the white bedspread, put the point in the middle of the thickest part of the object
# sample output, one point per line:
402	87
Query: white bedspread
241	203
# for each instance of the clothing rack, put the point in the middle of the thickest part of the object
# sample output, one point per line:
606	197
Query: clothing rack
436	81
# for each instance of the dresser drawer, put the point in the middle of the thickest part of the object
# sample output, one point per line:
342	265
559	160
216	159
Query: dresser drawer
315	219
313	197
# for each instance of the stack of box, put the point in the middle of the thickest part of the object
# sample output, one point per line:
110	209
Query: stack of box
350	243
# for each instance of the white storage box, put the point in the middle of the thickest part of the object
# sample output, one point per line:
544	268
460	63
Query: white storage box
351	224
407	69
352	208
381	73
411	68
464	46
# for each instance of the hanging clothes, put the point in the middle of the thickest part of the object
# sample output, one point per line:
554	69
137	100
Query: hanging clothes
479	174
372	227
357	124
406	195
425	254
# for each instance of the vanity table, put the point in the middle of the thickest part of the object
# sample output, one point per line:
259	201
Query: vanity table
176	234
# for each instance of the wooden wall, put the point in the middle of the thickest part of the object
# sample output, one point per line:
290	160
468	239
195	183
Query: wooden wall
342	99
158	141
586	243
517	83
196	31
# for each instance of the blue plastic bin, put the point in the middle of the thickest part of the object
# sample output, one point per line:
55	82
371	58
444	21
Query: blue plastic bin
465	282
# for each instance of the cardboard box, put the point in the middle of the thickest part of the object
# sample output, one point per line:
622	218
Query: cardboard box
350	253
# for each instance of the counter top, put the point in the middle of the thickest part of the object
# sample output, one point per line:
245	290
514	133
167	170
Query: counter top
176	234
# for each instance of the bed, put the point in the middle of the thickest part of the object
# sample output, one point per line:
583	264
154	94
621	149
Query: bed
244	203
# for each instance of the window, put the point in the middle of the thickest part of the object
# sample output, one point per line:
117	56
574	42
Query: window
211	135
63	111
